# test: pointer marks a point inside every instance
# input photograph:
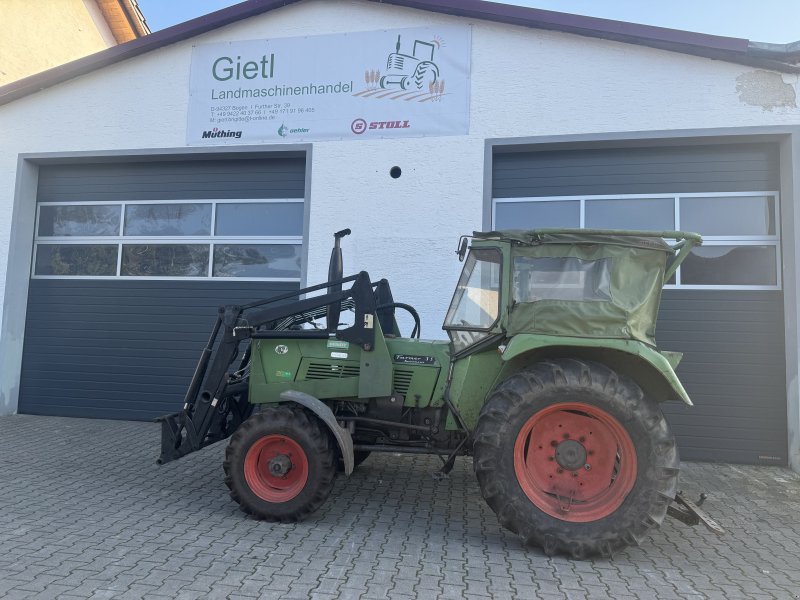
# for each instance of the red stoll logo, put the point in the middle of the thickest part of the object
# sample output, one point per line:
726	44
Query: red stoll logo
358	126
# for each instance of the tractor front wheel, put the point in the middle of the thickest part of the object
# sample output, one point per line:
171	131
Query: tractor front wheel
574	458
280	464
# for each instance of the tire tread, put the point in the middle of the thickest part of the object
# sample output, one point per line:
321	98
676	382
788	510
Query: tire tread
504	495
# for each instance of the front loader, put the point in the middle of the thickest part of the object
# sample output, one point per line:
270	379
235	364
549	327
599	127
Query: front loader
550	379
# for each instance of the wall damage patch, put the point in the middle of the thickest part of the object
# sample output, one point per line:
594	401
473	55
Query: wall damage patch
766	89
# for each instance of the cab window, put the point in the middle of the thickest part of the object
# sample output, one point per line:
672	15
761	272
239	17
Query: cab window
476	302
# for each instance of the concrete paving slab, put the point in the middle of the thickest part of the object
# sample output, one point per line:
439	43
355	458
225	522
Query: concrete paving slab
86	512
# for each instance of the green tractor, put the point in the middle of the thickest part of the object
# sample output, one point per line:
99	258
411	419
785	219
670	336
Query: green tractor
550	380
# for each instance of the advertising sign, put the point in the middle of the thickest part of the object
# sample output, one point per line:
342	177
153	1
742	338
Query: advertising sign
377	84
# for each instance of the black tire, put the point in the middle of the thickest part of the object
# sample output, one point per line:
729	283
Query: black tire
513	404
424	73
359	456
304	430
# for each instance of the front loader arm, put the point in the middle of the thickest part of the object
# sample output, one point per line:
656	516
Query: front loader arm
216	401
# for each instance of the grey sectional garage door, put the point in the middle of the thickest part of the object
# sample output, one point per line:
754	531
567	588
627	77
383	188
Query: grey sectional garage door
132	261
726	311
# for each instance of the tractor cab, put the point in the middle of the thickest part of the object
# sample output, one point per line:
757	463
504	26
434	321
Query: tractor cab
562	282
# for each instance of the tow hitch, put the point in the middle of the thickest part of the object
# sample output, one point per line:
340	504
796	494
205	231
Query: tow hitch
690	513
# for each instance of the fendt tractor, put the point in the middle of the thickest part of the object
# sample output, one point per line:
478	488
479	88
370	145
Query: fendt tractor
550	380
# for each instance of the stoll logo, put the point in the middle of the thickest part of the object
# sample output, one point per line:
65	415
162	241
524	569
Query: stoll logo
360	126
218	133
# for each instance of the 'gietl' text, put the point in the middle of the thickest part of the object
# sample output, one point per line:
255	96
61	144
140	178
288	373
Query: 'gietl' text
226	68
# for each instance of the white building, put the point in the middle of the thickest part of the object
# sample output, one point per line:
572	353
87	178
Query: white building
122	227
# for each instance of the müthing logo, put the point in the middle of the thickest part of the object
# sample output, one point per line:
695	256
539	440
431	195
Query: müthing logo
218	133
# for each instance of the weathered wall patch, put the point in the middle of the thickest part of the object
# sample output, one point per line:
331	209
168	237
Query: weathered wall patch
766	89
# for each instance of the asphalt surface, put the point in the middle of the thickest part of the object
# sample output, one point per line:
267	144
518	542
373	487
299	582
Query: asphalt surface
86	513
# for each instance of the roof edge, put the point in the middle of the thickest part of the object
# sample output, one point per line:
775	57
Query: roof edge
571	23
715	47
787	52
154	41
728	49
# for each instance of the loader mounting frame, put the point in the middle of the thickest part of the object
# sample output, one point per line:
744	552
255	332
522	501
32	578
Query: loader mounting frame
216	402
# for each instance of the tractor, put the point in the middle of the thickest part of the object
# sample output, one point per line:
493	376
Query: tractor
410	72
550	379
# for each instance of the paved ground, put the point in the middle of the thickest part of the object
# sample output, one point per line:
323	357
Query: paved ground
85	512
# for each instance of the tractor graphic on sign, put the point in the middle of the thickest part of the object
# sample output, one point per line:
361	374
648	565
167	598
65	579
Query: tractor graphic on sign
410	71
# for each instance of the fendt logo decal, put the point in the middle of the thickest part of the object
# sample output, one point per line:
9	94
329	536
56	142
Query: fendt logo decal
360	126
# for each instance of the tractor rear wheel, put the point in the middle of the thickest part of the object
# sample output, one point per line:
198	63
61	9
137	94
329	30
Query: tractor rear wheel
424	74
575	459
280	464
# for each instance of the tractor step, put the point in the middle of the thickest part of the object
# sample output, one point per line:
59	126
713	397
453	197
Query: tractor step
690	513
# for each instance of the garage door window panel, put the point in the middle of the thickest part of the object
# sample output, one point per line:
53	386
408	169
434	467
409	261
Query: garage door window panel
164	260
98	260
171	220
540	214
741	243
257	260
655	214
731	265
181	239
79	220
245	219
729	216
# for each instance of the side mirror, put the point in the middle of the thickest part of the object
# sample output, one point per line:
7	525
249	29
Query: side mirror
463	243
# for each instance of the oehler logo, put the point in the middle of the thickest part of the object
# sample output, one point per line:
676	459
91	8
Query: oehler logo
221	133
283	131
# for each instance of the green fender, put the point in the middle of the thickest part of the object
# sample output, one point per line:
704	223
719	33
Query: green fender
341	435
652	370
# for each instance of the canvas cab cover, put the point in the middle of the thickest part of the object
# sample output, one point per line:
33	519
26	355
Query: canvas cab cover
587	283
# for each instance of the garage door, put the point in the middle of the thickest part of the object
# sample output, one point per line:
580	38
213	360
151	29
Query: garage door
724	310
131	262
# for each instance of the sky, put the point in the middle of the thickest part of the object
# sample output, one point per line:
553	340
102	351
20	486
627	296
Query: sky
775	21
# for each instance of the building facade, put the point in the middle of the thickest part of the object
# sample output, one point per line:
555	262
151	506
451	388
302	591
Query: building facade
570	121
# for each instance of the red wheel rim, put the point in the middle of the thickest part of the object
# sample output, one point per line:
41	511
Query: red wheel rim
276	468
575	462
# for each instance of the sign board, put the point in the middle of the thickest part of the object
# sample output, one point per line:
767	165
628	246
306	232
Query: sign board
376	84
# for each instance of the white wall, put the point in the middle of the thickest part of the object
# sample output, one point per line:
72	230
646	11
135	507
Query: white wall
525	82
